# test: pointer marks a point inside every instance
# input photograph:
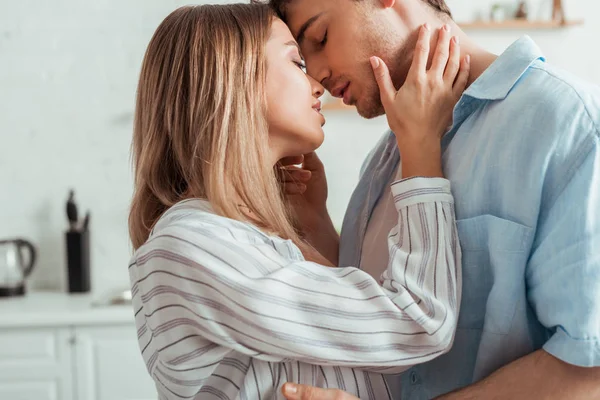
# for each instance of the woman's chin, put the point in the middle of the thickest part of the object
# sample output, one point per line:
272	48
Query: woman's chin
304	143
316	142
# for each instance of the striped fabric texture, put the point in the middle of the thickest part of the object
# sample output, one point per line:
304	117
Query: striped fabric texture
225	311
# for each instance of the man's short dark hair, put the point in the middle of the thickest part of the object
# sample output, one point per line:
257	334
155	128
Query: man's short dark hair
440	6
280	7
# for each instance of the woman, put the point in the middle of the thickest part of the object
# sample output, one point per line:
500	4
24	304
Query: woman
231	301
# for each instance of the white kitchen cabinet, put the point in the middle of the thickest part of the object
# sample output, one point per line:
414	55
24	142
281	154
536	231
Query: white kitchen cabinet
109	365
35	364
60	347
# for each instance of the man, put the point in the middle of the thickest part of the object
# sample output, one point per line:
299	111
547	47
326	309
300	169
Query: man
523	156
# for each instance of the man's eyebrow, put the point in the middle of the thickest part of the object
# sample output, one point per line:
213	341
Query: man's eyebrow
305	26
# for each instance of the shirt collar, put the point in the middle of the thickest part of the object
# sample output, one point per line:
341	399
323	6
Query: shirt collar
499	78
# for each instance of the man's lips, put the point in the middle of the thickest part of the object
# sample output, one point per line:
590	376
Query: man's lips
339	90
347	96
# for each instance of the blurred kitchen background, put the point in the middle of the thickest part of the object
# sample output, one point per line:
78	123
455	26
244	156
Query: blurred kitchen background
68	74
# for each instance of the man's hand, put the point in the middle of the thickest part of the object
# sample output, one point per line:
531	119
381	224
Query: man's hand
305	188
292	391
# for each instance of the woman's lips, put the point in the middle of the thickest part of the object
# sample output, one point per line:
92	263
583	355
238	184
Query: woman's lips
317	106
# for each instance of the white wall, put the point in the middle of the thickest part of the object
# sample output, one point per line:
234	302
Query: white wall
575	49
68	71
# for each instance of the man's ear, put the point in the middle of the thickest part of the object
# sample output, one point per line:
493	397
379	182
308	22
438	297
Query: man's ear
387	3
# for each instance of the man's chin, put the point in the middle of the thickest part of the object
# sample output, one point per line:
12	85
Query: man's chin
370	108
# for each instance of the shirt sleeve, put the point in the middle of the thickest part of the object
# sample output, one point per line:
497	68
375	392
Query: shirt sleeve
188	278
563	274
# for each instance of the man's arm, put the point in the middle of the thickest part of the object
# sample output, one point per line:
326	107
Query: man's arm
324	238
535	376
306	192
538	375
563	288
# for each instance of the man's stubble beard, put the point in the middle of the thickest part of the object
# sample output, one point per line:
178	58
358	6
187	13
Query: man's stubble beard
399	65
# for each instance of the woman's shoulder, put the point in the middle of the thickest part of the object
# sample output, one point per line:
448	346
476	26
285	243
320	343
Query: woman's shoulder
191	233
195	219
189	213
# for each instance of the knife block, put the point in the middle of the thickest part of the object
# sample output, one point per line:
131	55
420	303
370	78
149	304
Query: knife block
78	261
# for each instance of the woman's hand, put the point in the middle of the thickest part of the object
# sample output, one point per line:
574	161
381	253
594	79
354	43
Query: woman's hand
421	111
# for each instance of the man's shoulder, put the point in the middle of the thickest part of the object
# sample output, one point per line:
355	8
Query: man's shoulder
542	131
547	108
562	80
555	97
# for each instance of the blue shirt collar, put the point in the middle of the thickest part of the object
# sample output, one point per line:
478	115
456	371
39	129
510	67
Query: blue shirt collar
499	78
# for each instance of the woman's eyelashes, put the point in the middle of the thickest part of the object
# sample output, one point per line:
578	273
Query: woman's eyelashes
301	64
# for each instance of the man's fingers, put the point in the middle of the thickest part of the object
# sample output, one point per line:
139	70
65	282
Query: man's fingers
463	77
293	391
294	160
292	188
312	162
294	175
387	91
421	56
442	52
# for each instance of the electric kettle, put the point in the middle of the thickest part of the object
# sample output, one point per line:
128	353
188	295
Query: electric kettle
15	266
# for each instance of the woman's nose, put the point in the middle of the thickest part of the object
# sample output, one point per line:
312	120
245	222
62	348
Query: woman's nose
317	88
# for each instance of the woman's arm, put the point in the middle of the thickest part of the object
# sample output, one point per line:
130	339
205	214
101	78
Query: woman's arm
190	281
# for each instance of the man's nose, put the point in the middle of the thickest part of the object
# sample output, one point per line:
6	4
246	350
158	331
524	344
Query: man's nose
317	68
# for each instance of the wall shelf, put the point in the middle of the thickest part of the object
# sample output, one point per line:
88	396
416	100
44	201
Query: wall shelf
519	24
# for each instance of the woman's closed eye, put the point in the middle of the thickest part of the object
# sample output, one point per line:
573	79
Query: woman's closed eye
301	64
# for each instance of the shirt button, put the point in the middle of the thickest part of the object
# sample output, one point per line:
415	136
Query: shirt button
414	378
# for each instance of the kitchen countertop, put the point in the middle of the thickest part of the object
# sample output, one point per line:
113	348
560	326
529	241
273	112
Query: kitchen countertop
38	309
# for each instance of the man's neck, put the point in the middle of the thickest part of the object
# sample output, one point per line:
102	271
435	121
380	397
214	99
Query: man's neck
480	58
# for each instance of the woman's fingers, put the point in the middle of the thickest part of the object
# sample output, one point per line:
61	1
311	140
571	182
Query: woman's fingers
453	65
463	77
442	52
387	91
421	56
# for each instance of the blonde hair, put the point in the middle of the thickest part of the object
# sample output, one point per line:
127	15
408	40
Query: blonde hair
200	126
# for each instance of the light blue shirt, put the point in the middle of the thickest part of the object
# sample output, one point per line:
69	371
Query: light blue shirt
523	157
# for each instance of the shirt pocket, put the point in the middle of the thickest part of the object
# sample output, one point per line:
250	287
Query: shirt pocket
494	255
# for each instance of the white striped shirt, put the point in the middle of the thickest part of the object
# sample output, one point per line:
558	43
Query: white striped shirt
225	311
